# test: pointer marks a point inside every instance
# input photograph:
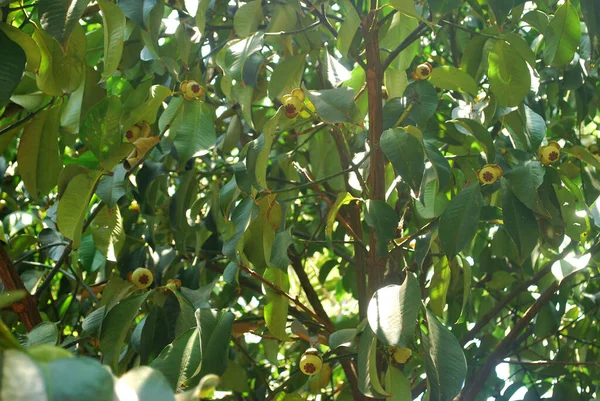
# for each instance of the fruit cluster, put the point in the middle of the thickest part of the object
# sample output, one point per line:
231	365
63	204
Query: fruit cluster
191	90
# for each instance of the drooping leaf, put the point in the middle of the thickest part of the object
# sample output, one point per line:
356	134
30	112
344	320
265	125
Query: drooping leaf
12	65
405	152
247	18
32	52
524	180
180	360
562	36
116	325
60	17
260	235
440	283
193	130
393	312
397	385
39	156
73	204
114	36
519	221
458	223
138	10
236	57
276	309
215	330
334	105
591	15
439	8
343	198
287	75
481	135
445	361
279	253
108	232
366	351
259	149
451	78
508	74
348	29
383	219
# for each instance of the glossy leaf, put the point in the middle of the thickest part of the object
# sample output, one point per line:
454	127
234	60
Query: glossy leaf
12	65
60	17
393	312
73	204
508	74
405	152
451	78
180	360
459	221
26	43
39	156
114	36
334	105
562	36
519	221
445	362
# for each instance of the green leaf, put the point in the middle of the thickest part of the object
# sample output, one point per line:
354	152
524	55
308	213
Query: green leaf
445	361
73	204
279	253
334	105
583	154
575	225
440	283
521	46
348	29
69	378
180	360
12	65
216	330
424	100
114	36
397	385
202	7
342	338
116	325
458	223
101	132
276	309
451	78
508	73
382	218
396	82
562	36
233	59
393	312
138	10
342	199
61	72
108	233
112	188
144	383
519	221
439	8
8	298
405	7
406	154
400	28
366	352
325	160
260	235
43	333
32	51
60	17
524	180
481	135
441	166
373	369
39	156
22	378
287	75
591	15
147	109
259	149
193	130
247	18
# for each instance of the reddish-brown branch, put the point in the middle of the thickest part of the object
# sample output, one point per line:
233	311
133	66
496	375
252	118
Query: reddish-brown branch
27	307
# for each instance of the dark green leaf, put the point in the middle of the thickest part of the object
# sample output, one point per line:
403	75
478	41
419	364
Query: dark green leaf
508	74
458	223
439	8
562	36
193	129
519	222
60	17
180	360
71	377
335	105
445	361
12	65
481	135
405	151
591	14
524	180
384	220
393	312
138	10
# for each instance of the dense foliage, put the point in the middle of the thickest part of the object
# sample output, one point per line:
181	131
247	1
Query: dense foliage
290	200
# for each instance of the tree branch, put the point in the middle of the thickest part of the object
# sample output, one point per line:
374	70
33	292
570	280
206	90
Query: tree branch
414	35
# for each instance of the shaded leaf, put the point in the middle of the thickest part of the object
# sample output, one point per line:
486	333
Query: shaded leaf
458	223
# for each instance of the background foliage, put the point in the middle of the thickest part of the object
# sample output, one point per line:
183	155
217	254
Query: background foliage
358	227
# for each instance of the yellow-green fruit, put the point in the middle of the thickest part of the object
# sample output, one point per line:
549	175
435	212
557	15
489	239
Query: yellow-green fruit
423	71
401	355
298	94
292	106
489	174
142	278
192	90
549	154
311	362
321	380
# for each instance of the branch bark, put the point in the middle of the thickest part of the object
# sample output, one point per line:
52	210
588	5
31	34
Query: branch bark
26	308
